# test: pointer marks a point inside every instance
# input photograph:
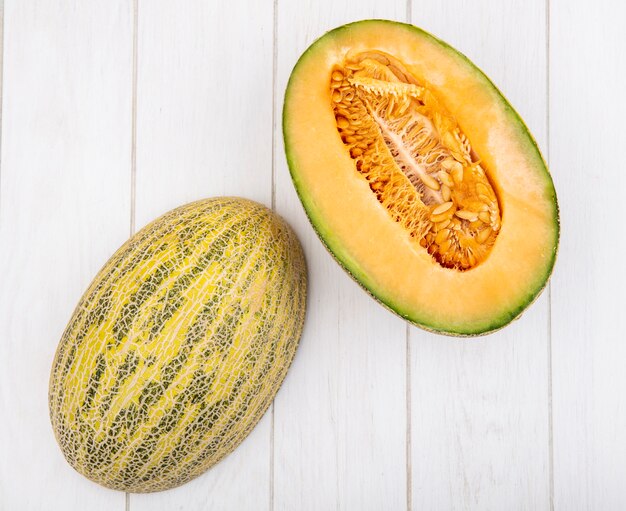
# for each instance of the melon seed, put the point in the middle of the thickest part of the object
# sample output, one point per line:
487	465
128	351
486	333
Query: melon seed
484	217
442	208
445	192
484	235
465	214
431	182
342	122
442	236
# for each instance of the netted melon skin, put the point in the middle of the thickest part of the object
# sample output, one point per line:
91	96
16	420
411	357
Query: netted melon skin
179	345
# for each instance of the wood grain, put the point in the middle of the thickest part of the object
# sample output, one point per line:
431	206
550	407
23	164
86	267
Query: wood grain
204	103
587	112
85	147
480	408
340	419
64	208
204	128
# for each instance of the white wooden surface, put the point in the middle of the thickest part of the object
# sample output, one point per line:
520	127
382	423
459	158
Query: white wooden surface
115	112
481	439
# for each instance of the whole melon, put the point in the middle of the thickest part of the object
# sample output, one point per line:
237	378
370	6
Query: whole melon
420	177
179	345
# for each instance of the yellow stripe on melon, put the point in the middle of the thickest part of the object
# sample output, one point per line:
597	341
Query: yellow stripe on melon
179	345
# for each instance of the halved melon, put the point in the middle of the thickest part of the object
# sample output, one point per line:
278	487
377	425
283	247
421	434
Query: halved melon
419	177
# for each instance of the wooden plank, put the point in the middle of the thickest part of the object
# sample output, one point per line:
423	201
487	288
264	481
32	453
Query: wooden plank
340	419
64	209
587	112
480	408
204	103
204	128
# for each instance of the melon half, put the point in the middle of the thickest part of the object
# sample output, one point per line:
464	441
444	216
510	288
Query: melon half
419	177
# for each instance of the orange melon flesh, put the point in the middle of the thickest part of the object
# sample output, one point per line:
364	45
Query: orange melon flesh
358	230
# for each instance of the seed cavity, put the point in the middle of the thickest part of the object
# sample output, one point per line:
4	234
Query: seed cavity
418	162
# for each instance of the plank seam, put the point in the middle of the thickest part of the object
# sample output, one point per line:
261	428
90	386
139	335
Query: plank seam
271	478
133	147
550	394
273	205
1	85
274	72
409	468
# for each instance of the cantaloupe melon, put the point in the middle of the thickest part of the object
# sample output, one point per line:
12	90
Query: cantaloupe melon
179	345
419	177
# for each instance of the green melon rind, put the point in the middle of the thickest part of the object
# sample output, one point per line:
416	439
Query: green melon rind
351	266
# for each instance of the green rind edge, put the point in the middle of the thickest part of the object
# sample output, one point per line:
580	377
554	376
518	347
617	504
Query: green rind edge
351	266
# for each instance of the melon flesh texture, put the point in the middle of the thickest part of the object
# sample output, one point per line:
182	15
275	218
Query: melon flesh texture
419	177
